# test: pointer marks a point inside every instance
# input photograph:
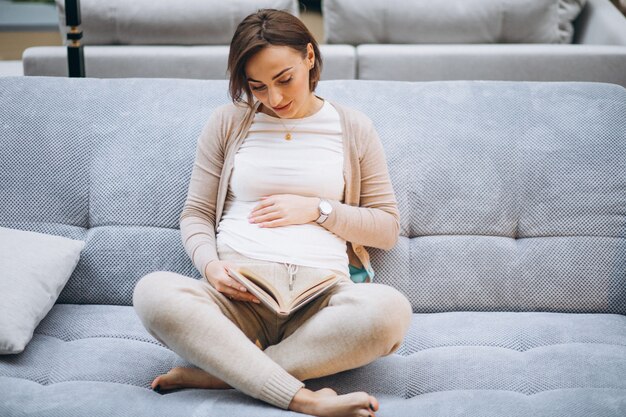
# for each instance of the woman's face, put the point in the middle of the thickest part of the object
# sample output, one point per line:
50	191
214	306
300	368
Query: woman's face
278	77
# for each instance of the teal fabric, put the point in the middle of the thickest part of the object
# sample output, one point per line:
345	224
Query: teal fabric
359	275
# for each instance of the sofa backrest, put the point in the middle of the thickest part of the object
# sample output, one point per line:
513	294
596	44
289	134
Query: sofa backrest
165	22
600	23
512	196
449	21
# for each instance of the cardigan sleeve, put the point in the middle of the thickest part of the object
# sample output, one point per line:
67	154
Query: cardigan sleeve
376	222
197	219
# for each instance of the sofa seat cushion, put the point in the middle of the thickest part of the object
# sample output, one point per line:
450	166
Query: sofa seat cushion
166	61
522	62
95	359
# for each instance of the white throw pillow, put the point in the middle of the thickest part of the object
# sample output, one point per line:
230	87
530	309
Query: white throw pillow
34	268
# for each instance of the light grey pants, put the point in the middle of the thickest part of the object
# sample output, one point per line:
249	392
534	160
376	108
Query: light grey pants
260	353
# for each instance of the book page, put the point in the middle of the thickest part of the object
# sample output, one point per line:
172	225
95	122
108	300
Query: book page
263	283
271	297
317	289
259	287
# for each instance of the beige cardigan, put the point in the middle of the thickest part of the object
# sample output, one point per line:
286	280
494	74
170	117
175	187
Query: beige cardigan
368	217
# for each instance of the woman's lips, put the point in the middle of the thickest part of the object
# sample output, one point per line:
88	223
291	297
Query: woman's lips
282	108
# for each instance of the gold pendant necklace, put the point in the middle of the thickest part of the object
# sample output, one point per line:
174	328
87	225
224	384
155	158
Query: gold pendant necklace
288	134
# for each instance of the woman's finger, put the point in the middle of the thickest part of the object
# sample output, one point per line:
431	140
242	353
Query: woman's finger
236	291
262	204
267	217
264	213
273	223
236	286
238	296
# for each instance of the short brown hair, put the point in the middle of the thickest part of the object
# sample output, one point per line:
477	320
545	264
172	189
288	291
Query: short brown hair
261	29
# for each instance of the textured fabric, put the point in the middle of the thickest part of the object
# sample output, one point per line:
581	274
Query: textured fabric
162	22
506	198
511	198
260	353
451	21
510	194
367	216
309	164
34	267
89	359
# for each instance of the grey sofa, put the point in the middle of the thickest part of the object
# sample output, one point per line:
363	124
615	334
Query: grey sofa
363	39
515	40
512	248
158	38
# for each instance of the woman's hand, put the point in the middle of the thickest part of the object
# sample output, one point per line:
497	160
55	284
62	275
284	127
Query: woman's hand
284	209
220	280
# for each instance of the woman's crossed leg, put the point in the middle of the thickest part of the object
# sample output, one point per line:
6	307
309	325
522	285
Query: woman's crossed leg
216	334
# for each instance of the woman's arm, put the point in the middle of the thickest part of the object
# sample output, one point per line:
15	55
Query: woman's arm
197	219
376	222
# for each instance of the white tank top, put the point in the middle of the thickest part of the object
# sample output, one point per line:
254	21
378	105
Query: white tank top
310	164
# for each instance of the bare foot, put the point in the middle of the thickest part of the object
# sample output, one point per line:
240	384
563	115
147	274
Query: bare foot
327	391
181	377
326	403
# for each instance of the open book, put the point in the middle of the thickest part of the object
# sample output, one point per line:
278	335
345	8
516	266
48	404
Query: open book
271	297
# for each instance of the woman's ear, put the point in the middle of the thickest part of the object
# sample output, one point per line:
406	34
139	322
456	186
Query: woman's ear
310	54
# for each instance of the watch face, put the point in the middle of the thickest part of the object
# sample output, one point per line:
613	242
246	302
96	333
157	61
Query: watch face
325	207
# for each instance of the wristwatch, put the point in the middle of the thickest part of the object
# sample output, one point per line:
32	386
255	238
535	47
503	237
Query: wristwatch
325	210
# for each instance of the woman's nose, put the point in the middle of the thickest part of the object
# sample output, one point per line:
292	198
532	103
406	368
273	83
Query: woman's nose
274	97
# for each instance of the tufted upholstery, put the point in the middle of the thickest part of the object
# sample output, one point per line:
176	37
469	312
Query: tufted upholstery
512	250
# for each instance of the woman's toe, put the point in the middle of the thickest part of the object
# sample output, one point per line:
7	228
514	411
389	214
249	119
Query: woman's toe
373	403
155	385
172	379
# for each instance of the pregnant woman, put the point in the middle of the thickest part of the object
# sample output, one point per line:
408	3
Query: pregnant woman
292	186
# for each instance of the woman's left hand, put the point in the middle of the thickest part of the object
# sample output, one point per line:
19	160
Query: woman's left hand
284	209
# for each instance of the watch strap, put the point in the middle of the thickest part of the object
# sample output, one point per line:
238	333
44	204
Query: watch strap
323	216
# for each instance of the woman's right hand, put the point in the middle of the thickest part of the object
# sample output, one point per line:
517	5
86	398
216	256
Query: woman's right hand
220	280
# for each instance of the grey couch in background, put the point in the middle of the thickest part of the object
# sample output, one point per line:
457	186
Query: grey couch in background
512	250
518	40
521	40
162	39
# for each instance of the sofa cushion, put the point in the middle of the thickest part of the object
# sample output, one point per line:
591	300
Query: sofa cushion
451	21
34	267
524	62
199	61
94	359
162	22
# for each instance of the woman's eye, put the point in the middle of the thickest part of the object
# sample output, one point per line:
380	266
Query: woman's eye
263	87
